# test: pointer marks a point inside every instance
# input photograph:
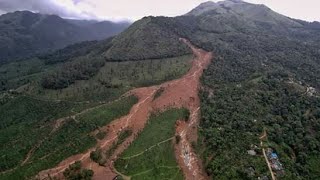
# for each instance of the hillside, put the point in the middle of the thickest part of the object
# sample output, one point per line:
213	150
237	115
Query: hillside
147	38
24	33
260	90
261	79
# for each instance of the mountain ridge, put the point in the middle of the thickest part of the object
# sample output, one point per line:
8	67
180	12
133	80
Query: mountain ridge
24	33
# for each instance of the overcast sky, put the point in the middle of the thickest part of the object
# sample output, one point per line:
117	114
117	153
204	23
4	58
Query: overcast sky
135	9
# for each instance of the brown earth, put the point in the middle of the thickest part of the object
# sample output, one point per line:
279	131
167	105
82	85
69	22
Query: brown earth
182	92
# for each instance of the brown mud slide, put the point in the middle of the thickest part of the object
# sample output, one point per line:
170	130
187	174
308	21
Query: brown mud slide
182	92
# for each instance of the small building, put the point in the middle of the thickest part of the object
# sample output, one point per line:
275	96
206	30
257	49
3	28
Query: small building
273	156
275	162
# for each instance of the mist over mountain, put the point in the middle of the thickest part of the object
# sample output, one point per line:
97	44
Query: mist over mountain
24	33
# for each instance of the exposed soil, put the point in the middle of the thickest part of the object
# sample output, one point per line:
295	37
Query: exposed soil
182	92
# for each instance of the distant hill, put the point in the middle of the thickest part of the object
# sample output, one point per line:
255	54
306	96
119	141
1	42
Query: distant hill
24	33
101	29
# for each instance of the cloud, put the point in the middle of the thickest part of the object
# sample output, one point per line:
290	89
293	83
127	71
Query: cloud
102	9
306	9
136	9
65	8
118	10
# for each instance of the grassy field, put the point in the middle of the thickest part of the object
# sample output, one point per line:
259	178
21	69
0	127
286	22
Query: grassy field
27	123
151	155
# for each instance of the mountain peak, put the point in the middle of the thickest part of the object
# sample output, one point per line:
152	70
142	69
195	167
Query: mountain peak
232	2
17	14
208	3
243	10
21	12
219	7
236	1
204	7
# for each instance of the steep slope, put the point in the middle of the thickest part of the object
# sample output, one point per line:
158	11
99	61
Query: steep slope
146	39
25	33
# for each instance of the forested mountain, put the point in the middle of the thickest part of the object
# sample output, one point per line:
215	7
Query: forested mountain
24	33
148	38
265	77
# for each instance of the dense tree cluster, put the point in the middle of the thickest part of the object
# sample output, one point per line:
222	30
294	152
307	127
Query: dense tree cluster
261	82
97	156
237	114
82	69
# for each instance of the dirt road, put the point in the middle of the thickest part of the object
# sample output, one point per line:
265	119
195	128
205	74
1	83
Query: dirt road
262	138
182	92
267	161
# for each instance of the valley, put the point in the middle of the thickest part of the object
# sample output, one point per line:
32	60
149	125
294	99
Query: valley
179	93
